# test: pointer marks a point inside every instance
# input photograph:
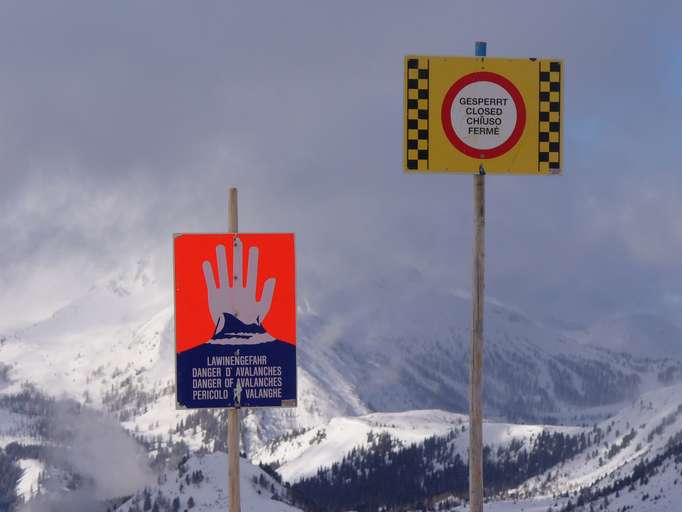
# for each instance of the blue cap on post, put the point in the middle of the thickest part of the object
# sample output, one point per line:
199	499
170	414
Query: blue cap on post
481	47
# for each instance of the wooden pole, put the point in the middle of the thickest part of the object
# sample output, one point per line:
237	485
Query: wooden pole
232	412
476	368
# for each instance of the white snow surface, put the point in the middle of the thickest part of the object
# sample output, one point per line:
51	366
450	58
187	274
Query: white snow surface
656	418
302	455
121	334
27	486
211	494
654	411
533	505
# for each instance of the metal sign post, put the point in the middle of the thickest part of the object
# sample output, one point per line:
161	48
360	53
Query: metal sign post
476	366
480	115
233	412
235	325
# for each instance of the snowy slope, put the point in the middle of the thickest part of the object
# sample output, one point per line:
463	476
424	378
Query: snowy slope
115	326
640	436
640	431
259	492
531	505
662	492
302	455
411	352
113	348
636	437
28	483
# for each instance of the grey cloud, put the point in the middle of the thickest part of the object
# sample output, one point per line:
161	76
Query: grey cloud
124	123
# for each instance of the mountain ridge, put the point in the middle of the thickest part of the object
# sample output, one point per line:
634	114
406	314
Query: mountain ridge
112	349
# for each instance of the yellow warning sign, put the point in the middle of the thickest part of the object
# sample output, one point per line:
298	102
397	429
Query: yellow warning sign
464	114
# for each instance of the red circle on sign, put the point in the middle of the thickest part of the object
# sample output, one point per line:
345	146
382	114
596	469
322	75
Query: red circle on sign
483	76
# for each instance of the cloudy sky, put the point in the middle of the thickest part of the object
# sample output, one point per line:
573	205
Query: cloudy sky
124	122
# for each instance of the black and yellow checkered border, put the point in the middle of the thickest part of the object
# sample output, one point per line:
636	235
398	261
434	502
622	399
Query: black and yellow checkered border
549	143
417	119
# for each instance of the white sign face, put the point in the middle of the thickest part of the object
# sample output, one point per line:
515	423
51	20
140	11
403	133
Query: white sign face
483	115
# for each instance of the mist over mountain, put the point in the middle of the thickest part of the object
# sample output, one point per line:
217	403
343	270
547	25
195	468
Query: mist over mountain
112	351
645	335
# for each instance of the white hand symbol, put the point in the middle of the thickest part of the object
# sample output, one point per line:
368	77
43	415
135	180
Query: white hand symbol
235	298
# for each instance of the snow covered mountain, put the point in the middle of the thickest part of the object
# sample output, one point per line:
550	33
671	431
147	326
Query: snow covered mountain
113	350
199	484
413	354
302	455
638	458
632	461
